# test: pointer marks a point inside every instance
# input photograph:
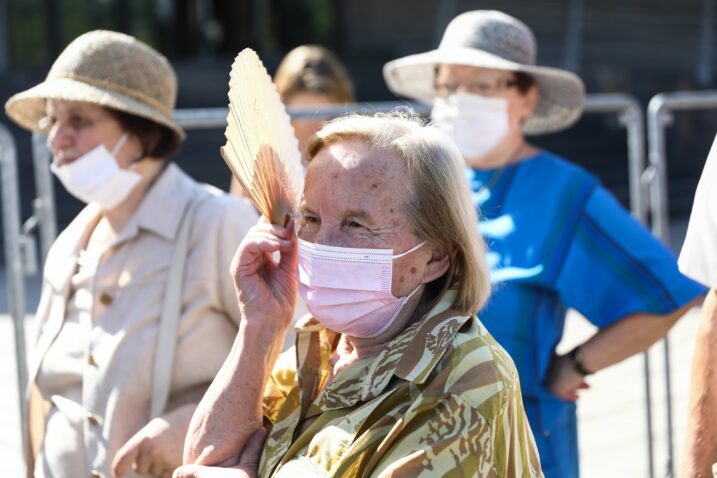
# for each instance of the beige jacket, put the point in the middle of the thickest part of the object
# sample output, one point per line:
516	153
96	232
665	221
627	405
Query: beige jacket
128	290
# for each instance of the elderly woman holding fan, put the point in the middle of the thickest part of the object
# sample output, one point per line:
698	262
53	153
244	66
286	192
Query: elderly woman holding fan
385	255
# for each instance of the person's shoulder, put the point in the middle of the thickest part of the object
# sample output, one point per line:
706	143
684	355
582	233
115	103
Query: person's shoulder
216	208
550	165
483	373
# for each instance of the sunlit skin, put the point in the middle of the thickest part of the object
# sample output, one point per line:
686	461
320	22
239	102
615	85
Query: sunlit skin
512	147
79	127
353	197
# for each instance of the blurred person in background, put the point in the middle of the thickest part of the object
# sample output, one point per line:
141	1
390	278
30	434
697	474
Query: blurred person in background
392	373
557	238
139	278
698	259
309	75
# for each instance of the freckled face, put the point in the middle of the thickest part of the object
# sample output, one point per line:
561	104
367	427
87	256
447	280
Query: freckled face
355	196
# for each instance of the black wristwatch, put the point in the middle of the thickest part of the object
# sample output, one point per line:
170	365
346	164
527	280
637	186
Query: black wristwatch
577	364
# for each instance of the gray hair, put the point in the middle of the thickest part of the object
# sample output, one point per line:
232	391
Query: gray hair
441	210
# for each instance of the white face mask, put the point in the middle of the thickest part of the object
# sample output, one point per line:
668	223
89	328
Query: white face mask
476	123
96	177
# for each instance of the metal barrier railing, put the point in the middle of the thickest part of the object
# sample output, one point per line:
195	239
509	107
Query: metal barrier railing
627	108
659	116
14	268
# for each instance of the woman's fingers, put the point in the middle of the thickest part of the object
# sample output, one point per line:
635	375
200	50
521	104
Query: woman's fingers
126	456
279	231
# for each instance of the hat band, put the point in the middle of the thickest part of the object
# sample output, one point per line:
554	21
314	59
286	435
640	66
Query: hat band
166	111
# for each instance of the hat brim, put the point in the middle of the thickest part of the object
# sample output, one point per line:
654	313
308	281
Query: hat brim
27	108
560	93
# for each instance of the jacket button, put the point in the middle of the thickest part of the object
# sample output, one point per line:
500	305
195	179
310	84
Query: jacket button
105	299
92	419
91	360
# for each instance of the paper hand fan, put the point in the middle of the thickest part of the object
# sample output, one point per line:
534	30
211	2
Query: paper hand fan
261	149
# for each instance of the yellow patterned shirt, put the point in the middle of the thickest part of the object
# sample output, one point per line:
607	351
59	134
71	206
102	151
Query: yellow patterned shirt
442	400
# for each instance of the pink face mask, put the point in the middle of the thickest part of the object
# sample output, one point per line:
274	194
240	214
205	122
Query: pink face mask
349	290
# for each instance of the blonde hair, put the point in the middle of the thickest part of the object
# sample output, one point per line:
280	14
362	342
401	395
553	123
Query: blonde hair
440	210
313	69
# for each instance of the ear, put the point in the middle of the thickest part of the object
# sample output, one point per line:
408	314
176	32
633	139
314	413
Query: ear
438	264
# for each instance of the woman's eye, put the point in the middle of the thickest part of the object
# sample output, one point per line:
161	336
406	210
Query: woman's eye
79	121
310	219
355	224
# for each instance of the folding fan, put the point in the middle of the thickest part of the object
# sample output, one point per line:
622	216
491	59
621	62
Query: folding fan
261	149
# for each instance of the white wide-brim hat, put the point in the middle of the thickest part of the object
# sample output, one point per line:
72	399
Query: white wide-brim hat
105	68
492	39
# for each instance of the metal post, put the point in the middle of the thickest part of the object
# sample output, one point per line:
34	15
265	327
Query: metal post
44	204
13	264
4	37
573	41
656	120
658	117
704	70
632	118
446	11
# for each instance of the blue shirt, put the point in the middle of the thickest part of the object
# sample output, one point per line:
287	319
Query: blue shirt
558	239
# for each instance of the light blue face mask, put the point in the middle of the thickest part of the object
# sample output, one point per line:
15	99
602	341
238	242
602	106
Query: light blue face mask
95	177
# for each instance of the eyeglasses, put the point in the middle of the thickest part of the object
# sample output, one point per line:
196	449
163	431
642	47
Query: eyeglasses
483	86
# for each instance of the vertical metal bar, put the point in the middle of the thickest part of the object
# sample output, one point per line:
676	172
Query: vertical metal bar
44	203
446	12
648	415
704	71
52	28
634	122
668	403
4	37
13	264
262	24
656	121
573	41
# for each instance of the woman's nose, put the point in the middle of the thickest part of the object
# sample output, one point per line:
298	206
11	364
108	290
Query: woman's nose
58	138
330	236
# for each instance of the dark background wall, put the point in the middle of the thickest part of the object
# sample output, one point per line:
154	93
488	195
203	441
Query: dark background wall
641	47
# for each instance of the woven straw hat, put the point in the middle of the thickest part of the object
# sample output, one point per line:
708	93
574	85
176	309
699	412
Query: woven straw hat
109	69
492	39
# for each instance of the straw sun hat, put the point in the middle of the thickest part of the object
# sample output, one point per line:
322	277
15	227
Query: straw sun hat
109	69
492	39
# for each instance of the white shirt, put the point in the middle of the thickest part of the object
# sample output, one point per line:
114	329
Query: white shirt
698	258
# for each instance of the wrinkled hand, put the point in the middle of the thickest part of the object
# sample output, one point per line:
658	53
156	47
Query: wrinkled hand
266	289
562	380
247	467
156	449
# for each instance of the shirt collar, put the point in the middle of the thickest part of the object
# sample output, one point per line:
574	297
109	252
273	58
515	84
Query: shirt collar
411	356
172	187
